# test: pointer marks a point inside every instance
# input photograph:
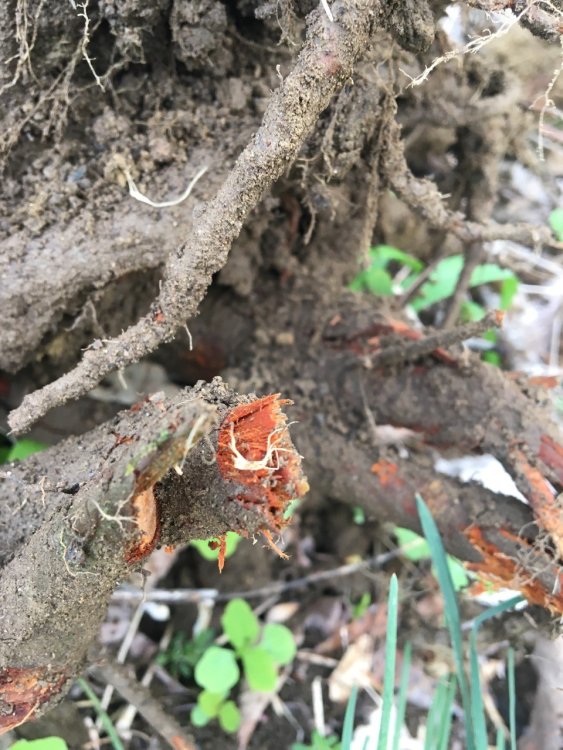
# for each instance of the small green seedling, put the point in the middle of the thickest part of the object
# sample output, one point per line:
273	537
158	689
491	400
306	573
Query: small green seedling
183	653
46	743
361	606
415	548
212	553
20	450
259	650
441	284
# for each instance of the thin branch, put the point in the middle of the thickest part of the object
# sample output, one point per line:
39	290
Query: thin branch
149	708
423	196
472	257
414	349
194	596
324	64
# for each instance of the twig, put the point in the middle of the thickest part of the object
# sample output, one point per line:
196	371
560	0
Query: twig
149	708
324	64
415	349
125	721
423	196
472	258
192	596
86	41
122	655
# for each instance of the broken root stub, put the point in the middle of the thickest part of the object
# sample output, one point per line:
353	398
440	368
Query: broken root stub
23	690
255	453
502	571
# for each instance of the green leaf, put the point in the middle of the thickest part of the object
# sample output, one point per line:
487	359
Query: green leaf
240	624
438	722
413	546
477	707
447	715
451	610
229	717
217	670
359	515
556	222
361	606
441	283
348	726
508	290
444	278
390	656
382	254
402	697
210	703
378	282
259	669
376	278
471	311
198	717
511	674
493	358
488	273
458	573
279	642
291	508
46	743
105	720
22	449
202	546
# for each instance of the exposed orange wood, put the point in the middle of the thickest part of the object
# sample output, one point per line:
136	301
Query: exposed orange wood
23	690
503	571
387	474
145	509
547	509
255	452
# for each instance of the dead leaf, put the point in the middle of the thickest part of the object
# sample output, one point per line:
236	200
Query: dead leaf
354	669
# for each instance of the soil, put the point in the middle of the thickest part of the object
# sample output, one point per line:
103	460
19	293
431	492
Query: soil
97	95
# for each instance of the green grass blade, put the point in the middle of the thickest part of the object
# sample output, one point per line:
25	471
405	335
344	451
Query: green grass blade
434	714
477	708
348	727
102	715
478	718
450	608
511	698
402	697
390	656
446	723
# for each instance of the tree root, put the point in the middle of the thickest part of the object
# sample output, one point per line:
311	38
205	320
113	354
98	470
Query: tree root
324	64
150	481
424	197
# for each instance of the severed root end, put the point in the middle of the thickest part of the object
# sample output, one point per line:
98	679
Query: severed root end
24	690
502	571
255	452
